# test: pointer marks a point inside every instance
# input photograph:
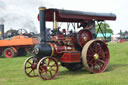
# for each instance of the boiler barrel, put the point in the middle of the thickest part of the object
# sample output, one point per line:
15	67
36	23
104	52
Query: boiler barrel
42	50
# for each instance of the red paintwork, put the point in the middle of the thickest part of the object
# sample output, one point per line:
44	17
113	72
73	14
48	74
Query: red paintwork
59	49
64	40
70	57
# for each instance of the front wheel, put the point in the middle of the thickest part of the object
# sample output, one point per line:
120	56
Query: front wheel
47	68
30	67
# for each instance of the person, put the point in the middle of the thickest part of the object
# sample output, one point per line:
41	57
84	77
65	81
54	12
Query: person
90	25
48	34
82	24
92	28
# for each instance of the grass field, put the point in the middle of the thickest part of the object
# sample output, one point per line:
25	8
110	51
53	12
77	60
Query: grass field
12	73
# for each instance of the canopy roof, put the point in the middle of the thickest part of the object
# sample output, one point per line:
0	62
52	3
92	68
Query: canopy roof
77	16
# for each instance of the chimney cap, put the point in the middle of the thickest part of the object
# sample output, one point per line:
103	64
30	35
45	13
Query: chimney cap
42	8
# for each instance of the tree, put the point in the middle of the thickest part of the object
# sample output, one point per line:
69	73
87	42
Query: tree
103	26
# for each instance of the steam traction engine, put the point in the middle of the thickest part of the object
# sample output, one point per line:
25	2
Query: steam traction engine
73	50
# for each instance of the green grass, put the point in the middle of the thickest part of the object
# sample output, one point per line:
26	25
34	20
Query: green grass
12	73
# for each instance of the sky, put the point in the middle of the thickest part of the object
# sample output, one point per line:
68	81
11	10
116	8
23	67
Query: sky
18	14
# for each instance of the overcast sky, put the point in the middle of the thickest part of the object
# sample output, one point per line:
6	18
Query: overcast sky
23	13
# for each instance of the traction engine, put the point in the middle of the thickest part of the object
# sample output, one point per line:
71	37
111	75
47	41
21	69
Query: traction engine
73	50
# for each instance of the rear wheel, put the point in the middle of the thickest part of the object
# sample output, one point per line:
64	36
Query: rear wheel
95	56
9	53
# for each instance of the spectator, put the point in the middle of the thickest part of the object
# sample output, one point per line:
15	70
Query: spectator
92	28
82	24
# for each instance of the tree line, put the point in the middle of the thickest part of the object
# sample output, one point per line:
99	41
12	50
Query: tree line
104	27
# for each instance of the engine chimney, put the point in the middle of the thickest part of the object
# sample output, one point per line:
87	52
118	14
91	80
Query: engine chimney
42	24
1	31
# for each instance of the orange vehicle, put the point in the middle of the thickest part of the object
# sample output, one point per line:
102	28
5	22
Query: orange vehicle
17	45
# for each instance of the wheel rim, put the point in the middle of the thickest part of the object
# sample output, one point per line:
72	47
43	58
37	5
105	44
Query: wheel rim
47	68
95	56
8	53
30	67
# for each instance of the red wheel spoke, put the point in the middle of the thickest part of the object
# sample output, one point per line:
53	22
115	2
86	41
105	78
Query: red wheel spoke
101	61
53	65
46	63
92	66
53	69
90	55
89	59
28	67
49	61
101	54
46	74
98	49
30	71
95	45
41	68
105	52
44	71
98	66
50	73
40	71
91	50
90	62
29	62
